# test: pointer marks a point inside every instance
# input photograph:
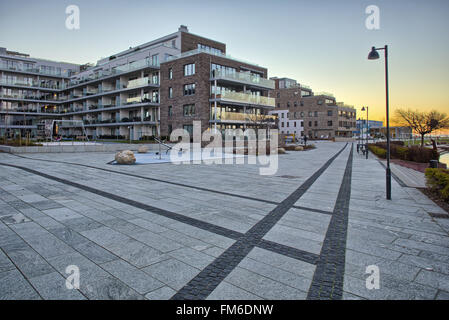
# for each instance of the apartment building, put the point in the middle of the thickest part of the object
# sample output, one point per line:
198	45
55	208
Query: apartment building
286	125
322	116
147	90
31	91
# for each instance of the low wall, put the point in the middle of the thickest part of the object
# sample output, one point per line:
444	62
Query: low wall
343	139
108	147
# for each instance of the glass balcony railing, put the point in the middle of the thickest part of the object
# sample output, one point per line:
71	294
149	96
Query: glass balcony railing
138	82
240	97
56	73
139	64
197	51
244	77
33	84
243	117
142	99
323	93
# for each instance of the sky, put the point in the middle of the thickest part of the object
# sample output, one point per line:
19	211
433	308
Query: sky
323	44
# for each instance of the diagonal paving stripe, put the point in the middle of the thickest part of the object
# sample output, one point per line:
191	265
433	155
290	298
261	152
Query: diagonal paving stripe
223	193
235	235
328	279
210	277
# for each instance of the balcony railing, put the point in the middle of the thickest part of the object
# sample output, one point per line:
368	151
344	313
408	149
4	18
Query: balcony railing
240	97
138	82
139	64
62	73
243	117
244	77
324	93
141	99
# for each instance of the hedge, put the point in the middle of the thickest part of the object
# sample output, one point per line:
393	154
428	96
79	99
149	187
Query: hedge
438	182
413	153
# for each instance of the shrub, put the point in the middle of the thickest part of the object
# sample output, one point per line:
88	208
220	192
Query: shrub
413	153
438	182
378	151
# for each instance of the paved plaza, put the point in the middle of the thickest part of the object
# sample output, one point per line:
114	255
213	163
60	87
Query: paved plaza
198	231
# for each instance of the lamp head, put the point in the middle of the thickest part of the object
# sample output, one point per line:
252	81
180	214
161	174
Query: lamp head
373	55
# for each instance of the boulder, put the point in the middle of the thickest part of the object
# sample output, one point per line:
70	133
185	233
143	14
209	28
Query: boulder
125	157
281	151
299	148
142	149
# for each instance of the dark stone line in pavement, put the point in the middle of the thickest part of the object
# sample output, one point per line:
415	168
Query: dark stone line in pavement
292	252
201	286
176	184
395	177
327	283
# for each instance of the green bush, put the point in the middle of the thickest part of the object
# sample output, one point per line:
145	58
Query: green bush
378	151
413	153
438	182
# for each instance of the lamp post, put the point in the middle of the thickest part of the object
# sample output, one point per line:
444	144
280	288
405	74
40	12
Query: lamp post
367	131
374	55
360	134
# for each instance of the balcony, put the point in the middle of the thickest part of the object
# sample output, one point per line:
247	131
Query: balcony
243	77
245	98
138	82
243	117
20	68
136	65
146	98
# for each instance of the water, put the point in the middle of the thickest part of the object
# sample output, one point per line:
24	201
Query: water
445	159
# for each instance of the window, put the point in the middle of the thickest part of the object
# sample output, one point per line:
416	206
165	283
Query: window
279	95
173	43
170	73
329	113
320	102
296	104
301	114
310	113
170	111
170	129
316	123
288	104
316	113
189	110
205	48
288	124
189	69
170	92
189	89
155	60
279	105
301	104
329	123
155	78
310	123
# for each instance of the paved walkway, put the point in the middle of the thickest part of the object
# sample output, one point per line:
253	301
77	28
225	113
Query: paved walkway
168	231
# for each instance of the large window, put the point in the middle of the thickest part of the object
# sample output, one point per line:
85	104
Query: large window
189	69
189	110
170	73
222	69
189	89
170	92
170	111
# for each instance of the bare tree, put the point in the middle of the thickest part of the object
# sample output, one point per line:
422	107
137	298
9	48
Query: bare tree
422	122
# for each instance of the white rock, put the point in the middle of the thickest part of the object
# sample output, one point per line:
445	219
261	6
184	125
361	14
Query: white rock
125	157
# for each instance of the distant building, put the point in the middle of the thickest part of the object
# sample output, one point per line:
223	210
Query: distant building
362	127
322	117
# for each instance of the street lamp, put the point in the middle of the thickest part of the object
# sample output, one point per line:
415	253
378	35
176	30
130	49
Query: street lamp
374	55
367	131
